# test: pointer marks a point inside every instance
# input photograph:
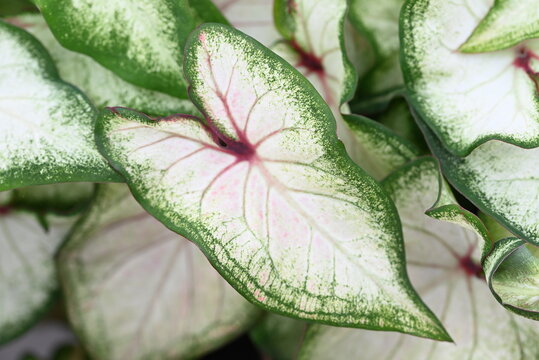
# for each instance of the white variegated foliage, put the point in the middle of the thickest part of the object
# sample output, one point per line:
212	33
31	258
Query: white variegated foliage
28	277
136	290
468	99
46	125
267	191
443	257
506	24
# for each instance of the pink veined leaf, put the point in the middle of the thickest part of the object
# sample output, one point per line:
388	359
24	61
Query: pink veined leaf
265	189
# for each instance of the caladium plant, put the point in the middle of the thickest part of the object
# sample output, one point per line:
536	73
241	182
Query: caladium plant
239	130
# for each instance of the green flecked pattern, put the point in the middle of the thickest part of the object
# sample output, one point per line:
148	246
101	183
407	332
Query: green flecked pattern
462	300
467	99
101	85
512	272
506	24
275	204
499	178
28	274
378	21
378	150
141	42
136	290
46	125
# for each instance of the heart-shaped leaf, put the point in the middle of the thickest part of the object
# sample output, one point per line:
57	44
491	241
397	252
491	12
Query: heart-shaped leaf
46	125
141	42
444	263
253	17
28	274
512	272
100	84
378	22
506	24
134	289
266	190
468	99
377	149
499	178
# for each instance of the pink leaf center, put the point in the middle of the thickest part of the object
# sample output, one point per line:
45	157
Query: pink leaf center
523	62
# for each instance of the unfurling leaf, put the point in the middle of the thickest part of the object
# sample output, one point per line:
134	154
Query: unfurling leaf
467	99
136	290
444	264
46	125
507	23
141	42
265	189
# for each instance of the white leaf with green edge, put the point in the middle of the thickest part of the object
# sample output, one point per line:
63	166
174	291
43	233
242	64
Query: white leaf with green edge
378	21
315	45
512	272
279	337
58	198
46	125
136	290
377	149
266	190
499	178
28	277
468	99
314	33
101	85
141	42
252	17
444	264
506	24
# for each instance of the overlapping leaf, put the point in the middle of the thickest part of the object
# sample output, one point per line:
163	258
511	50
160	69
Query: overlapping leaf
28	274
443	260
506	24
499	178
267	191
136	290
377	149
252	17
512	271
468	99
46	125
100	84
57	198
142	43
378	21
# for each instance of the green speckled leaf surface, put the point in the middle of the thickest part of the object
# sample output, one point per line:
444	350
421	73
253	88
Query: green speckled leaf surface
250	184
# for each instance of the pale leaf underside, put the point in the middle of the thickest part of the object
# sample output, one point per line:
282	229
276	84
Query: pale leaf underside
136	289
443	261
267	192
468	99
